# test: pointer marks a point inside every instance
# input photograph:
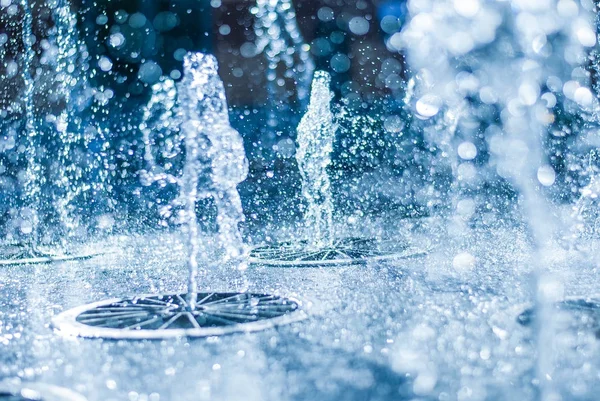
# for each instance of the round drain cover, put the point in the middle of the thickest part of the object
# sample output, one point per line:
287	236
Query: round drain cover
577	314
17	254
162	316
17	391
343	251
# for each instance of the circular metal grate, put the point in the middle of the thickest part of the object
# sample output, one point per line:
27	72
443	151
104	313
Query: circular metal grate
580	314
19	254
162	316
10	391
343	251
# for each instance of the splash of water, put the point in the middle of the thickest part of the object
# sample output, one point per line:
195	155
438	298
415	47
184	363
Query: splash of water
53	169
160	127
280	39
193	116
316	133
584	218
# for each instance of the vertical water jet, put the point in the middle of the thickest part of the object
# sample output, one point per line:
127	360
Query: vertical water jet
33	174
316	134
39	240
192	116
71	83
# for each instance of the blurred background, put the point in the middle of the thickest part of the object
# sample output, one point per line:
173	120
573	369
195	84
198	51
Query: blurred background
129	45
383	161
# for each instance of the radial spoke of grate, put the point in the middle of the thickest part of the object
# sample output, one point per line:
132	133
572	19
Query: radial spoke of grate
356	254
123	308
314	255
289	255
267	251
241	309
87	320
343	254
101	313
193	320
166	324
205	299
139	325
234	313
268	302
115	316
182	301
225	321
229	300
111	323
298	255
149	300
270	251
245	305
232	317
274	309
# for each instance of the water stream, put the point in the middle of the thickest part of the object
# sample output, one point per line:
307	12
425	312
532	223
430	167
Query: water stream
316	134
192	116
32	178
71	84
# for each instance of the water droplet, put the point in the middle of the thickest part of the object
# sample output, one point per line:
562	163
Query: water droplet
466	8
428	106
467	151
546	175
359	26
340	63
105	63
149	72
464	262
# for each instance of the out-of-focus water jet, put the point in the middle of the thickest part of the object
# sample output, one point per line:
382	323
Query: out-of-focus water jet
288	57
71	84
33	174
39	239
503	75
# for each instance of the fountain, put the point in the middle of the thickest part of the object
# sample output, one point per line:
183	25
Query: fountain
491	110
29	248
31	185
194	118
316	133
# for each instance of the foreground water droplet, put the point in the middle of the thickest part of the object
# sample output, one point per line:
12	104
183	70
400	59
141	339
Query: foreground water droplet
464	262
546	175
428	106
